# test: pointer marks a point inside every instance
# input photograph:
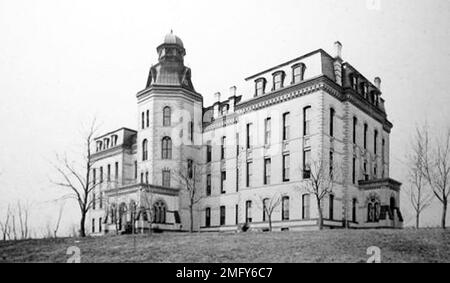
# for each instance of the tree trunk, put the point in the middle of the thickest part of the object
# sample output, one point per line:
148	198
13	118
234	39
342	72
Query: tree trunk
191	212
82	228
417	220
270	223
320	214
444	214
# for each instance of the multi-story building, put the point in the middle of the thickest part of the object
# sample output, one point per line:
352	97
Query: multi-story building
250	149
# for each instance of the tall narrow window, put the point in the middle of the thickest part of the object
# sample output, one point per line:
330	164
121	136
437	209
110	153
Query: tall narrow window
108	174
331	207
208	152
354	203
331	163
355	123
93	225
285	208
142	177
307	164
94	201
383	148
166	148
222	215
365	136
101	174
286	126
249	173
260	85
191	131
306	120
148	118
166	178
375	172
222	148
375	139
135	169
249	136
298	73
116	171
237	179
208	217
100	224
237	144
94	177
190	168
167	113
265	208
267	131
223	178
305	206
332	114
145	150
100	200
286	167
146	177
237	214
278	80
267	163
208	185
248	211
354	170
366	175
354	82
143	120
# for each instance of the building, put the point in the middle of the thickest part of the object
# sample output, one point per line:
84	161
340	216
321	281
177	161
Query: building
313	108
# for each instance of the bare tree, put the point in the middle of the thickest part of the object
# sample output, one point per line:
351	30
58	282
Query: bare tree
58	220
5	225
147	198
190	177
419	196
78	181
319	179
435	166
23	211
269	204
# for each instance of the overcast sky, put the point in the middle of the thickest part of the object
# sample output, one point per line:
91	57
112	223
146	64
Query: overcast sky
63	62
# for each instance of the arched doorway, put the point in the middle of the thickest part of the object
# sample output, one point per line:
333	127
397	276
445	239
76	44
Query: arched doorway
159	212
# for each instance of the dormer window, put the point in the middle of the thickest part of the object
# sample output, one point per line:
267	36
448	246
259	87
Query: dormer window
106	143
225	109
298	72
260	85
278	78
354	82
99	146
114	140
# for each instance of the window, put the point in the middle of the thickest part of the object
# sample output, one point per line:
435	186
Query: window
143	120
237	214
373	209
365	136
146	177
222	215
260	85
237	179
106	143
286	166
99	146
354	210
392	204
354	170
208	185
248	211
222	148
265	208
305	206
166	178
114	140
142	177
108	174
383	148
375	138
355	123
249	173
116	171
135	170
190	168
278	78
148	118
94	200
267	163
307	164
286	126
208	152
354	82
331	164
298	72
208	217
225	109
93	225
306	120
101	174
159	212
94	177
332	114
237	144
285	208
375	172
100	224
366	175
100	200
191	131
223	178
166	148
249	136
331	207
267	130
145	150
167	113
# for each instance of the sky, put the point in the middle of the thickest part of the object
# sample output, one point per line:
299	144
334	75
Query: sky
64	62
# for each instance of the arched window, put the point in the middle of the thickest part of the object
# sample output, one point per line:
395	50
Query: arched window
167	113
260	85
159	212
248	211
285	208
208	217
305	206
145	150
278	79
392	203
166	148
114	140
373	210
332	114
106	143
298	72
331	207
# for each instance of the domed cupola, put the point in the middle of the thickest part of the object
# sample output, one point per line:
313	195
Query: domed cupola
172	49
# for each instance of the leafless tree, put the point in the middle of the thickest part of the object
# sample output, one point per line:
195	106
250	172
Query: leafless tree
319	179
58	220
269	204
5	225
190	177
23	211
419	195
435	166
78	181
147	198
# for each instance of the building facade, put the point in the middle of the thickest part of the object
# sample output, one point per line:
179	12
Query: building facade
248	152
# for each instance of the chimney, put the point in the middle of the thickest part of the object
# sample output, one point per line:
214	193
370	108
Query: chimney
378	83
232	98
338	49
217	96
216	105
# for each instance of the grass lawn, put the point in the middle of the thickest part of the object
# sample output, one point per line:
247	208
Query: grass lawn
428	245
